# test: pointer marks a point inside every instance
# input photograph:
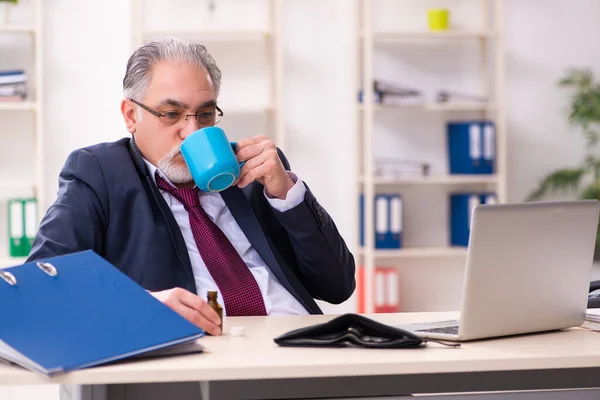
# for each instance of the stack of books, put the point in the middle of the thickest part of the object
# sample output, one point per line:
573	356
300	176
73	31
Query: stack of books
395	94
449	97
13	85
397	169
592	319
389	93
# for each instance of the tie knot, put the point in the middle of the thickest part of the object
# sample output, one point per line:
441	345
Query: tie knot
186	196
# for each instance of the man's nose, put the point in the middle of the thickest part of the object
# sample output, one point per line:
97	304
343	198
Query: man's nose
191	125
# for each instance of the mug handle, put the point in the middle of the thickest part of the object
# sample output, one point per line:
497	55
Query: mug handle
233	146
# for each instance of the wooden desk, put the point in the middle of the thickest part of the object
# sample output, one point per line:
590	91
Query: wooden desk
254	363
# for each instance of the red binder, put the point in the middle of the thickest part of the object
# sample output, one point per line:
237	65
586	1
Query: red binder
385	290
391	290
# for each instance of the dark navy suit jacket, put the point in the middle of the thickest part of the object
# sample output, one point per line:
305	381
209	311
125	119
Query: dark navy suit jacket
107	202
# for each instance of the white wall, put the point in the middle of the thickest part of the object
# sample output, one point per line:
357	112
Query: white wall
319	104
543	38
86	45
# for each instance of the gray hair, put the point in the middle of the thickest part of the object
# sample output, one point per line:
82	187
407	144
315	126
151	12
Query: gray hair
143	60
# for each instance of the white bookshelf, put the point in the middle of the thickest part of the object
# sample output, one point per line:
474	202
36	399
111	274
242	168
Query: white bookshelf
415	252
432	106
433	180
213	35
227	39
485	37
428	35
18	29
12	26
19	105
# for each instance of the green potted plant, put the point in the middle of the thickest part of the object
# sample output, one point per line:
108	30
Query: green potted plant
581	181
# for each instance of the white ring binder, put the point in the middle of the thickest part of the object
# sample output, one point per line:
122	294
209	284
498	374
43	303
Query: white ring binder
8	277
47	268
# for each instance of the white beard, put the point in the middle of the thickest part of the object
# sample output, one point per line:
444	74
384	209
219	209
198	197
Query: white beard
176	174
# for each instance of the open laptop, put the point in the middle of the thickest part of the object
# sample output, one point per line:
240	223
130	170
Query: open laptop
528	270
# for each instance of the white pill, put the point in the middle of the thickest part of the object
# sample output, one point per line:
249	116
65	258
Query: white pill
237	331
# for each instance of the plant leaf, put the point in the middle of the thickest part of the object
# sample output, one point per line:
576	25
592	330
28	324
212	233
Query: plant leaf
591	192
584	107
564	179
592	137
581	78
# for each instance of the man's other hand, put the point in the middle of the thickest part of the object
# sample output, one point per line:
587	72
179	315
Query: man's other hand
262	165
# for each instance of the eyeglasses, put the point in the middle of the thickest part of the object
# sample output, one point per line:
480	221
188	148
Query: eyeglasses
207	116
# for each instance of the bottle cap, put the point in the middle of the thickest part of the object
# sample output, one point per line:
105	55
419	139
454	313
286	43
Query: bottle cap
212	294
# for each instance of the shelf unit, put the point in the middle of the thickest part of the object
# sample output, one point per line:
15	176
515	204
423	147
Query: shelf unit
414	252
488	40
33	105
433	180
427	35
19	105
431	106
18	29
214	37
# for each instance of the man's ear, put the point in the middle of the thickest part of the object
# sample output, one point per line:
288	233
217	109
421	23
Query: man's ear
130	115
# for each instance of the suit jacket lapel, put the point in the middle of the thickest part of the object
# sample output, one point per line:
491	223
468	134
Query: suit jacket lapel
176	236
244	215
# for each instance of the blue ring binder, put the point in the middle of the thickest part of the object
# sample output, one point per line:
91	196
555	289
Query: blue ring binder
98	315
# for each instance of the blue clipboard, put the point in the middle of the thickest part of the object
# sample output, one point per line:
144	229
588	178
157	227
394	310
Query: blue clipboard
76	311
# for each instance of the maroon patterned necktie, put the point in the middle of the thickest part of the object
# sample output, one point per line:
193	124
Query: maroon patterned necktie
238	287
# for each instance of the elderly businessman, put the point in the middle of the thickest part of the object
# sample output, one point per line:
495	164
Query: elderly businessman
265	244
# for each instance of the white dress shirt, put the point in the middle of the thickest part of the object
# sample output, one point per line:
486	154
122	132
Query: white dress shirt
278	301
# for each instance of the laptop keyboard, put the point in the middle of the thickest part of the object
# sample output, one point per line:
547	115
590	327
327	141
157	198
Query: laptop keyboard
451	330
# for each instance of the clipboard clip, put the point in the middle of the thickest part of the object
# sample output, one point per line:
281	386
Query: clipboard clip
8	277
47	268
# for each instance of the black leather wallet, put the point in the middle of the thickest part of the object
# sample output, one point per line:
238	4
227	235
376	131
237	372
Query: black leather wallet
351	330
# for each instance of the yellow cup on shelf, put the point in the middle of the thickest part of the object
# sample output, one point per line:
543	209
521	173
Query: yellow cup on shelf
438	18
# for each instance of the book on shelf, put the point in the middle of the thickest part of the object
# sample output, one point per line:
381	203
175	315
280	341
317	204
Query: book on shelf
395	94
461	210
13	85
447	96
388	220
471	147
385	290
397	169
388	93
12	76
22	226
13	92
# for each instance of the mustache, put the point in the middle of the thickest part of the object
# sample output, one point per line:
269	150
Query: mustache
174	152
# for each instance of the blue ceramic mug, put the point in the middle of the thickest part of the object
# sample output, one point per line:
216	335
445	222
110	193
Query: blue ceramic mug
211	159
